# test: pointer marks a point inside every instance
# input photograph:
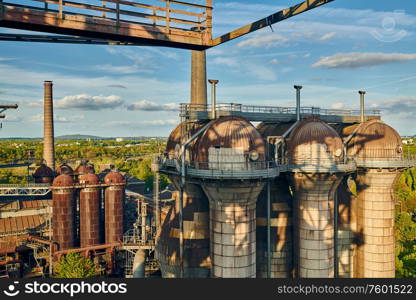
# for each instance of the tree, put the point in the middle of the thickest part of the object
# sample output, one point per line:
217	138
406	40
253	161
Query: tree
405	246
74	265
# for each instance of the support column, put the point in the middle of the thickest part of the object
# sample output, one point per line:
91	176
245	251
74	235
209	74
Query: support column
376	254
314	235
198	79
233	228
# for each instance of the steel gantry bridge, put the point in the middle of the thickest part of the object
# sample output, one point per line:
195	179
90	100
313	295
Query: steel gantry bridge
169	23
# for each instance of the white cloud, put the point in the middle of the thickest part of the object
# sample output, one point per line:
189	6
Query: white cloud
338	105
145	105
358	60
327	36
123	69
57	118
226	61
263	41
87	102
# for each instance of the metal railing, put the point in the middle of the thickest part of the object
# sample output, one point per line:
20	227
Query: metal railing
234	107
171	14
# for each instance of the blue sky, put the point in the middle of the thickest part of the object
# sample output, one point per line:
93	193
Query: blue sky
333	51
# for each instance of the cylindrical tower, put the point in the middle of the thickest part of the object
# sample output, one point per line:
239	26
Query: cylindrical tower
196	256
48	133
281	201
315	154
89	210
64	169
229	146
377	149
114	207
63	218
43	174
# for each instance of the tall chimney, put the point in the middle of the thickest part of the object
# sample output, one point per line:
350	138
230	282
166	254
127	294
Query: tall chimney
362	109
199	80
48	134
298	88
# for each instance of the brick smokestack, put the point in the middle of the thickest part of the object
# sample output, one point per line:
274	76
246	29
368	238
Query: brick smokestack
48	133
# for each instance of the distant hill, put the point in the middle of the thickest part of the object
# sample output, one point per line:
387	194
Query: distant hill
79	137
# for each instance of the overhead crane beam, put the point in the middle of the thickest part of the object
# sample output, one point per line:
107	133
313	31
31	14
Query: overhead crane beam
270	20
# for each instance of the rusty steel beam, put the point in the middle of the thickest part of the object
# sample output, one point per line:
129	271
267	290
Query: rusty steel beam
105	28
270	20
62	39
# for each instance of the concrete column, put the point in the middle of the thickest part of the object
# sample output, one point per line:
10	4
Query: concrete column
48	132
376	254
314	233
198	78
233	228
347	229
281	231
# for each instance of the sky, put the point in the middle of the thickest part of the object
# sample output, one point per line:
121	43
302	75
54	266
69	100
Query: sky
333	51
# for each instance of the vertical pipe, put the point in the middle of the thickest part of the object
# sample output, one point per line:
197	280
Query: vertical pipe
298	88
181	231
336	260
213	98
269	257
198	80
143	221
156	192
48	131
362	117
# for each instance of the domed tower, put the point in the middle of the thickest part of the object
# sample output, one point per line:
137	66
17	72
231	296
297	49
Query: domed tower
230	157
89	210
84	168
316	165
64	169
281	202
63	217
196	256
377	150
114	207
43	174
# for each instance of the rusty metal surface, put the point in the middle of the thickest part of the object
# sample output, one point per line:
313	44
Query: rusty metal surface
89	211
63	217
196	236
229	132
114	208
375	140
22	225
84	168
179	135
314	141
43	174
64	169
114	177
273	129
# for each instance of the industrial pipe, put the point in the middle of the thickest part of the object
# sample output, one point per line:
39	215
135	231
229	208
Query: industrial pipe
298	88
213	98
362	94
